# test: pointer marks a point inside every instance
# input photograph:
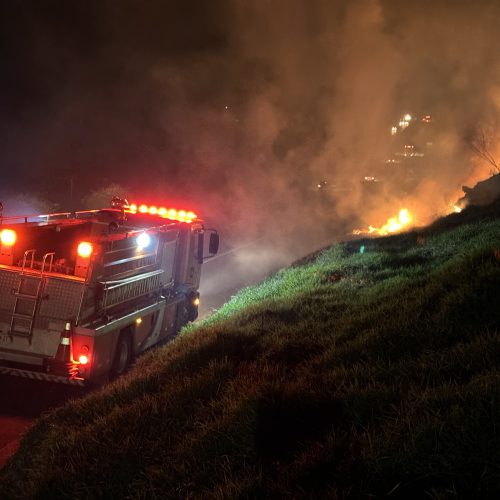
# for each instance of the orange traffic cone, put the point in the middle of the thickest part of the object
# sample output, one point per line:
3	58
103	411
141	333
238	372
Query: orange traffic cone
64	349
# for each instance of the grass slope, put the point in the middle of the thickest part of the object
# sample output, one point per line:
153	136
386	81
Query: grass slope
371	368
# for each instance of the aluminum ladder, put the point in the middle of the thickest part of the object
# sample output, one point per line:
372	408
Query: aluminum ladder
28	293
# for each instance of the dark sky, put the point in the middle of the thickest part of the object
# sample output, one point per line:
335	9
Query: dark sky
237	105
77	89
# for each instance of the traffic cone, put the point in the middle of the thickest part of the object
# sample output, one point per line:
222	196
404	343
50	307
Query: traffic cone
64	349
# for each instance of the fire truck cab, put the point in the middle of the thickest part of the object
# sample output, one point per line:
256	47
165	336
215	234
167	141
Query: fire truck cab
83	293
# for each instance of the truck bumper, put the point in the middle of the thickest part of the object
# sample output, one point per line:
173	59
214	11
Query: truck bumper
47	377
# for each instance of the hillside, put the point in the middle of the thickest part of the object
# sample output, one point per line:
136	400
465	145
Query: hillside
369	368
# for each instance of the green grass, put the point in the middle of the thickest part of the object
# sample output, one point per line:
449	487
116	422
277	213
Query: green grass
350	374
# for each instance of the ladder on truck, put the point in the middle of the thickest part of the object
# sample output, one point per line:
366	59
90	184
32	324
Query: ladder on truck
28	293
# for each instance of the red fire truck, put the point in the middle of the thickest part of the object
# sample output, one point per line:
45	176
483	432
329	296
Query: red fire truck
83	293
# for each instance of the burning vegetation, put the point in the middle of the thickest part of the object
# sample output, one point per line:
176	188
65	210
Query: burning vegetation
400	222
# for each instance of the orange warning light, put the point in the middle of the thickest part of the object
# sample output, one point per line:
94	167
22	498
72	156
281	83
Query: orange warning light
166	213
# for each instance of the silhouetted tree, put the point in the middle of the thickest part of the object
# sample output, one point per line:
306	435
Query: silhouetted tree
481	144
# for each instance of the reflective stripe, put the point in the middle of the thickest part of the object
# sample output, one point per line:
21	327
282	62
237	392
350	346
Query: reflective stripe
64	340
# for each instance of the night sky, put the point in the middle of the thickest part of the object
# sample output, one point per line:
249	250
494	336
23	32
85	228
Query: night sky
237	105
79	90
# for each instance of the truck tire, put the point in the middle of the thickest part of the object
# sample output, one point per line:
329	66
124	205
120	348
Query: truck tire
182	317
123	354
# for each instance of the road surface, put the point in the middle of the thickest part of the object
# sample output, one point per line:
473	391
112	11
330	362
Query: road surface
22	402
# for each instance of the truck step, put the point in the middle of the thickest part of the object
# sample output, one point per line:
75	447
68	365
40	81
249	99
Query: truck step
21	326
25	295
23	316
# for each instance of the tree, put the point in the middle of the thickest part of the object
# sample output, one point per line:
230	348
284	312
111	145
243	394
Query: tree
101	198
482	144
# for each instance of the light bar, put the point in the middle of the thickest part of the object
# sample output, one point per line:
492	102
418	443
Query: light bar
165	213
8	237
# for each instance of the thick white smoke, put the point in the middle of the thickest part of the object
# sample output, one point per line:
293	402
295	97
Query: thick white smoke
238	109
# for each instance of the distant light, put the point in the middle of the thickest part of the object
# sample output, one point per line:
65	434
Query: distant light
143	209
138	321
162	211
394	130
133	207
407	118
196	301
153	210
362	249
143	240
8	237
85	249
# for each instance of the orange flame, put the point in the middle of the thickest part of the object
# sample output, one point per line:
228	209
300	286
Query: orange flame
393	224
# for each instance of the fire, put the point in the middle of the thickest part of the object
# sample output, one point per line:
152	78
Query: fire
393	224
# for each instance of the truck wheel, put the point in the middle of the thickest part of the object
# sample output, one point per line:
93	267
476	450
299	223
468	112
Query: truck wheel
123	354
182	317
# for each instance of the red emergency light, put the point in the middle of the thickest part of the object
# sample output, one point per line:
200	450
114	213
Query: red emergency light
83	359
8	237
85	249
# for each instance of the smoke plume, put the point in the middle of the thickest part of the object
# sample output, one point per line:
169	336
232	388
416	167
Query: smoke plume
239	109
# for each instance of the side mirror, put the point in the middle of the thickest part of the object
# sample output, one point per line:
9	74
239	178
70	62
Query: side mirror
213	245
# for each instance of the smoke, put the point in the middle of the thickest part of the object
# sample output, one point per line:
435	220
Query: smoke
238	109
23	204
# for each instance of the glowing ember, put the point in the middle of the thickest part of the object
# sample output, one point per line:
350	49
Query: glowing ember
393	224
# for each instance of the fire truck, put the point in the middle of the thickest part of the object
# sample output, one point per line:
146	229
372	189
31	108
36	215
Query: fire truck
83	293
